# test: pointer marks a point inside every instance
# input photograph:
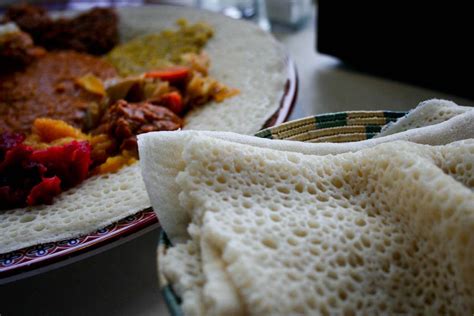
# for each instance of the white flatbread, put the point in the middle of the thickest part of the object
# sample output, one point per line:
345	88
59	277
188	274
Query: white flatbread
426	113
383	230
160	171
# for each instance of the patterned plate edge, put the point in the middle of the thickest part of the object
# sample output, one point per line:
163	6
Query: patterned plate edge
33	257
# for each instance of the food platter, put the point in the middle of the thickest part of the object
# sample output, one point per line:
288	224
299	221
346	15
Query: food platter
332	127
35	259
40	258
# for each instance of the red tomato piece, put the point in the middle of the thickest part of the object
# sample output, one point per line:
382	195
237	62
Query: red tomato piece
45	191
173	101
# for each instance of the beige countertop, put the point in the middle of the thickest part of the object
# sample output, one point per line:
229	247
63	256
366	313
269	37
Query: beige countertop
123	280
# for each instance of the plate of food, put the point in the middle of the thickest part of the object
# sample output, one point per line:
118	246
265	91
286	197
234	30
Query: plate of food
76	88
363	212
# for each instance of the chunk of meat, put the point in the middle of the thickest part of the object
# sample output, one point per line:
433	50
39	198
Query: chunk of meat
94	32
123	121
30	19
17	50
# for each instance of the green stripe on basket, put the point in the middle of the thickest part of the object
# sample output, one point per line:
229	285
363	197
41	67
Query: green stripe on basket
333	120
265	133
172	301
164	239
340	116
328	124
373	129
393	115
370	135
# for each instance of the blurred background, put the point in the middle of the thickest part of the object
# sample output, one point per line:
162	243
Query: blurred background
288	13
421	43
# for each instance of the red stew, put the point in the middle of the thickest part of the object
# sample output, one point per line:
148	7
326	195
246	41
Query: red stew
48	88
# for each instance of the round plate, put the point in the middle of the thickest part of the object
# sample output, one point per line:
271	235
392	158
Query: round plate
331	127
33	260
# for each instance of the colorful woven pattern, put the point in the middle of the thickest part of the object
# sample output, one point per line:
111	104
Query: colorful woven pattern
333	127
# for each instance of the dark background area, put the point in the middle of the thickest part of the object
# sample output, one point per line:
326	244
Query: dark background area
424	43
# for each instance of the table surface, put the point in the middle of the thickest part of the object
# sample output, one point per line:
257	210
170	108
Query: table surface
123	280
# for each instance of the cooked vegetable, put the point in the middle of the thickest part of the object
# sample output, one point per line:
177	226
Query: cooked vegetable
176	73
92	84
113	164
48	130
161	50
32	176
173	101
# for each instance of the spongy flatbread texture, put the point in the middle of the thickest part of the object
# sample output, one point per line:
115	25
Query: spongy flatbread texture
159	170
426	113
242	56
185	272
388	229
96	203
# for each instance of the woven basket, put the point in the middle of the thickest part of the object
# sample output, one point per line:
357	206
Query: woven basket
334	127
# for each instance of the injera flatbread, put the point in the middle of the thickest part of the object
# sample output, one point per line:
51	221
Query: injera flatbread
160	170
382	230
427	113
242	56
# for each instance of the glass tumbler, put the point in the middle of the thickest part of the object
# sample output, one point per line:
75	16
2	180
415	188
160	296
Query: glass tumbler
253	10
